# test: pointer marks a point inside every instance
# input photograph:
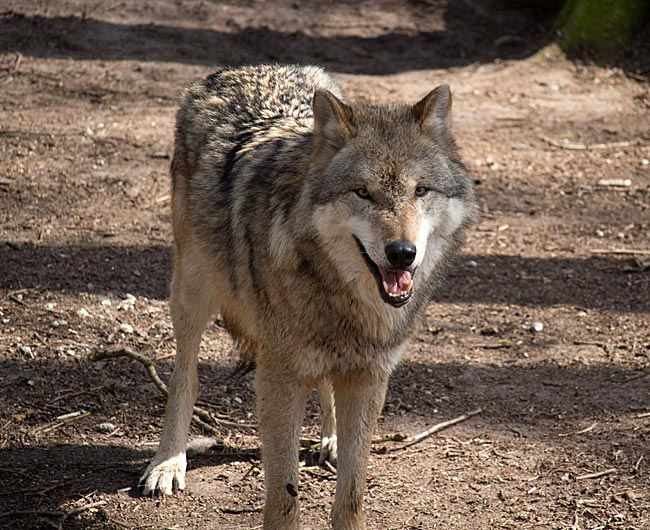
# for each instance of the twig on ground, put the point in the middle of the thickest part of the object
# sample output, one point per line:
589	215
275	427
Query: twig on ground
635	377
79	393
25	513
54	513
638	463
201	417
583	431
390	437
207	427
78	510
565	144
620	251
150	366
327	465
14	67
254	509
575	526
436	428
588	343
597	474
65	421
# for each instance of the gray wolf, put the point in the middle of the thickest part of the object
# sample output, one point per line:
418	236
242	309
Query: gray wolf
318	230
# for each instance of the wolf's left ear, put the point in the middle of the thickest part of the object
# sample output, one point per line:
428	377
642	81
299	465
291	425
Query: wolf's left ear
333	119
433	112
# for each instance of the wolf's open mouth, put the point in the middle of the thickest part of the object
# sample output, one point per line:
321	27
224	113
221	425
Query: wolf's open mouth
395	286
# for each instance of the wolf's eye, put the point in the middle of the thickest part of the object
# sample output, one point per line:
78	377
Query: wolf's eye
362	192
421	191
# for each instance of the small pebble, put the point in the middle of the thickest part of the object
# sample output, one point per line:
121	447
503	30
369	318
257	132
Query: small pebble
82	312
27	351
106	302
128	303
472	263
537	326
105	427
126	328
49	307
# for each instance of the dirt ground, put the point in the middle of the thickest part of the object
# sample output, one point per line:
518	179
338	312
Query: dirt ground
88	92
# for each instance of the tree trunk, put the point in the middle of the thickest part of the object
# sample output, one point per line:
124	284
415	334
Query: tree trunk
605	26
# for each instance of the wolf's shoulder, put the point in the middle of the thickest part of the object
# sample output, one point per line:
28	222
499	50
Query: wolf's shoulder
268	91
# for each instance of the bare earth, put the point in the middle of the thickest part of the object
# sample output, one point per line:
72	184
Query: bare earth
88	92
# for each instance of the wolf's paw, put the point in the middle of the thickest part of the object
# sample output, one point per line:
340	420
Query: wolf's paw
163	476
327	450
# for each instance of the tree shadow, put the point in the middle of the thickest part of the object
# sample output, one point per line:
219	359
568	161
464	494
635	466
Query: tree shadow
594	282
535	402
473	33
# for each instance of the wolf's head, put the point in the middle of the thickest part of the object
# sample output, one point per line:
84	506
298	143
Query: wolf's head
390	192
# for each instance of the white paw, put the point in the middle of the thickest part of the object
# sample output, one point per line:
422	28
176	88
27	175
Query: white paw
327	450
163	476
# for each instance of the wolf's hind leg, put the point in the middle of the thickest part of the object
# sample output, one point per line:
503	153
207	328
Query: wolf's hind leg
327	423
191	305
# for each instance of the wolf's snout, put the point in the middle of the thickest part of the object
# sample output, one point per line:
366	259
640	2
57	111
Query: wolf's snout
400	254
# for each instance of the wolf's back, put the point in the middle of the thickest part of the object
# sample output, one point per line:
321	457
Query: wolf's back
243	107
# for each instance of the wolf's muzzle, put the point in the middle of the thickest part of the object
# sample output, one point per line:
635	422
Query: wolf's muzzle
395	285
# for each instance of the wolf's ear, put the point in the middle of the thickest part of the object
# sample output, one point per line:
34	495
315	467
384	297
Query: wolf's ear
333	119
433	112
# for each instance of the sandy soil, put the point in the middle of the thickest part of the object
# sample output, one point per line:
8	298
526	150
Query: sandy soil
88	92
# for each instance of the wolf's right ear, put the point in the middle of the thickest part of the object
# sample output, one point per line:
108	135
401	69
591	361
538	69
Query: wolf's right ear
433	112
333	119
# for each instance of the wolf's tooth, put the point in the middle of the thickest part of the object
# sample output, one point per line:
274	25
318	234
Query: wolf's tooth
410	286
386	287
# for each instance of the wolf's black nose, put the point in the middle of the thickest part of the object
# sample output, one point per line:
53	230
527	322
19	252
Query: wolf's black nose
400	254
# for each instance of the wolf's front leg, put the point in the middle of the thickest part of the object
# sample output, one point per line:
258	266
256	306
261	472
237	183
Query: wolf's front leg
190	308
281	401
359	400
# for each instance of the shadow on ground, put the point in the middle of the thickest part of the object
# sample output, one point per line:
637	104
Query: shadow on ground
144	271
473	33
534	404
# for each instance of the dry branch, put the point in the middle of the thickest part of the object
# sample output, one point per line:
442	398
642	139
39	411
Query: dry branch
64	420
565	144
57	514
201	417
236	511
583	431
436	428
620	251
150	365
597	474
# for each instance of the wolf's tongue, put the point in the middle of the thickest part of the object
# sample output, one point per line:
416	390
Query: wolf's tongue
397	281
